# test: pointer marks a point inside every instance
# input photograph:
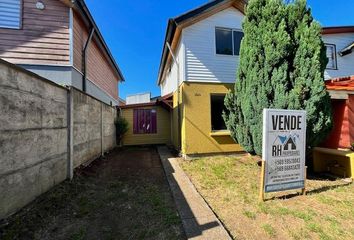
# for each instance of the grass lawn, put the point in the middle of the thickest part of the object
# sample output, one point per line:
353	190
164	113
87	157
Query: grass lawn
230	185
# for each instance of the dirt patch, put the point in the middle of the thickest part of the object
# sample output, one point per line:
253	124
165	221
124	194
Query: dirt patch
123	196
230	185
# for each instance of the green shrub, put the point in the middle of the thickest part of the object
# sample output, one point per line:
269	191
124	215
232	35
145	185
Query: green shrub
282	64
122	127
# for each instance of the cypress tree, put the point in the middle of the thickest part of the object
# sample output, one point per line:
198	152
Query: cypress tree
282	64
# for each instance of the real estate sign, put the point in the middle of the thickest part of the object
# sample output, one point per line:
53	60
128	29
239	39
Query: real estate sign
284	145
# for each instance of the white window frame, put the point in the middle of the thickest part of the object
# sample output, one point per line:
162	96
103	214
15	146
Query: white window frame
20	19
334	48
233	40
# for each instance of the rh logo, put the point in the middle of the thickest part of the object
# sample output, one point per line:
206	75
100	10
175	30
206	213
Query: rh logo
285	145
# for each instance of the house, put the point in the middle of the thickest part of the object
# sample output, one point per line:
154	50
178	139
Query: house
59	40
339	42
334	155
199	73
342	95
198	67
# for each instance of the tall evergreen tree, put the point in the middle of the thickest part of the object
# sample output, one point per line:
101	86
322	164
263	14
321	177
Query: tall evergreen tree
282	64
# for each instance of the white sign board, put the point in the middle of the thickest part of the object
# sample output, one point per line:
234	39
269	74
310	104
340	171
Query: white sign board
284	146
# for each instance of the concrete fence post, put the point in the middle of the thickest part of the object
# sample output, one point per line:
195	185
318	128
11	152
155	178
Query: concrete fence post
70	117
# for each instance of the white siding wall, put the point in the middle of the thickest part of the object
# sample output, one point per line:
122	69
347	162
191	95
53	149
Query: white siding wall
138	98
345	64
202	62
169	84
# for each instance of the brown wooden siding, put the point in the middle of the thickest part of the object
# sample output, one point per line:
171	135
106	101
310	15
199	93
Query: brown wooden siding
80	38
43	38
99	70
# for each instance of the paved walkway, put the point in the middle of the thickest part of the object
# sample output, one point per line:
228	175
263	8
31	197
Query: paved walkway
198	220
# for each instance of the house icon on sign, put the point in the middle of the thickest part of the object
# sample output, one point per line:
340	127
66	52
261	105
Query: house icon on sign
290	144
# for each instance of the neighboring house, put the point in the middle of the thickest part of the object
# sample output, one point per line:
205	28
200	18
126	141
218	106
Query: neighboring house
342	94
334	155
59	40
340	43
138	98
205	43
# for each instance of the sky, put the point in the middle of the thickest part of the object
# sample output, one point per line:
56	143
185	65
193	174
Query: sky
135	31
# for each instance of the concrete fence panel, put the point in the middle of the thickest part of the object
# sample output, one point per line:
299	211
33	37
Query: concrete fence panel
35	139
109	129
87	128
33	134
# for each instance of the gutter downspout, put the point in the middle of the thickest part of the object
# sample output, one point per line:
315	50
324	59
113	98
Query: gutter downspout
84	56
178	94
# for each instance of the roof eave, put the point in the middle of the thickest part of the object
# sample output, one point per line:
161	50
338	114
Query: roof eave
337	29
171	28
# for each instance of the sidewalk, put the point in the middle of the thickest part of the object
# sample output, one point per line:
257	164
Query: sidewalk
199	221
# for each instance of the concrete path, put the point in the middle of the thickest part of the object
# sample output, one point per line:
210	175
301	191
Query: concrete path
198	220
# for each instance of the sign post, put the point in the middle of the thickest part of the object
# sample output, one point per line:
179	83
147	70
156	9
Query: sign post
284	151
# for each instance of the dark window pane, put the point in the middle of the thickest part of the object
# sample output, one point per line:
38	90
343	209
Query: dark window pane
237	42
331	55
217	108
223	41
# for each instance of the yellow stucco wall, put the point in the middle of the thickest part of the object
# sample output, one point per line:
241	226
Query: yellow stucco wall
174	121
163	135
196	120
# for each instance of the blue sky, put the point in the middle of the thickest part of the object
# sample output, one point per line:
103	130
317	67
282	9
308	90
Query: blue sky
135	30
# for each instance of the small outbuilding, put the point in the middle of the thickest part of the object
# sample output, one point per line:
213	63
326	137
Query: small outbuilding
149	121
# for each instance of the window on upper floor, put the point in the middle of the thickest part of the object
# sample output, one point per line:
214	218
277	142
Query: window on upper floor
228	41
217	107
10	14
332	56
145	121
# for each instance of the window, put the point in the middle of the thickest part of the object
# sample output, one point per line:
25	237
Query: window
217	108
145	121
10	14
237	42
332	56
228	41
223	41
